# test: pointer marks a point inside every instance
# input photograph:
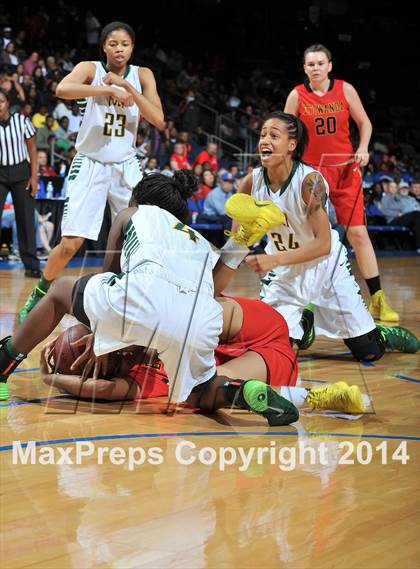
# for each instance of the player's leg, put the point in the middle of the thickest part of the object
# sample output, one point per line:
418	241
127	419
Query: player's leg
347	198
38	326
340	312
82	219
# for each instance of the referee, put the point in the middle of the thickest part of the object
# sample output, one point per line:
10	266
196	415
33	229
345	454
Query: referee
17	140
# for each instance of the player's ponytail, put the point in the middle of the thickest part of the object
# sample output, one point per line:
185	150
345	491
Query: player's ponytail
185	182
169	193
296	130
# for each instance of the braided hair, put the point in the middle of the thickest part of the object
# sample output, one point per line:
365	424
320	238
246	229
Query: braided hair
169	193
296	130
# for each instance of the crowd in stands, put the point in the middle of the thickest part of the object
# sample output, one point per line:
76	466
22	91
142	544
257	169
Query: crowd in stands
30	77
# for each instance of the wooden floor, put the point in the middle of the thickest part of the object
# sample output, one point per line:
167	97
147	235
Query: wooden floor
314	516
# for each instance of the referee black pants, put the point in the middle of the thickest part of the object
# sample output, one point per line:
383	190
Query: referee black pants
14	179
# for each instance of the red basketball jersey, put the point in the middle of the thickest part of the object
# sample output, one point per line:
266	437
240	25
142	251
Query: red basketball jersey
327	121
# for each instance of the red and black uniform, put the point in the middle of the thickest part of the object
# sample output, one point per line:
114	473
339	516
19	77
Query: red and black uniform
263	331
329	149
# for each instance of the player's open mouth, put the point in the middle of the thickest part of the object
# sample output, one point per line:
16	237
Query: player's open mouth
265	153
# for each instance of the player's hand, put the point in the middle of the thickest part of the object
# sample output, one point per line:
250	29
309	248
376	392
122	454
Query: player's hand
46	364
113	79
124	98
86	341
361	157
261	263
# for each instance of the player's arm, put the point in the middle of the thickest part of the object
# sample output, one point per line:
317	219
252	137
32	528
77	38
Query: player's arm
222	274
116	389
115	240
314	194
358	114
292	103
77	85
148	100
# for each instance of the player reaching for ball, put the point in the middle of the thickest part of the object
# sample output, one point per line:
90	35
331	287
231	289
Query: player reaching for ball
254	342
157	291
305	259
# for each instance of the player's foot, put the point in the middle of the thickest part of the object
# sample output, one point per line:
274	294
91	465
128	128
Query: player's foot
336	397
380	309
260	398
30	303
398	338
255	218
4	391
307	323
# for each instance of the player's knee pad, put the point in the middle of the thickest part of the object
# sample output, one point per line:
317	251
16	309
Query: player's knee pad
366	347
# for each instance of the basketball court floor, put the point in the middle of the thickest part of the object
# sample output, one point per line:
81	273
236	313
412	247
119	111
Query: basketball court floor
328	492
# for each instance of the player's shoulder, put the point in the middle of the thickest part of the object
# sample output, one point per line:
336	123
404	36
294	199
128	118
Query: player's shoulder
145	73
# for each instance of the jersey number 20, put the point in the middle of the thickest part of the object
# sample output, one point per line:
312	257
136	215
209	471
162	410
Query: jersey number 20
324	126
114	124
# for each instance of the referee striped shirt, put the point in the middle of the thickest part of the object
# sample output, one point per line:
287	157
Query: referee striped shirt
13	135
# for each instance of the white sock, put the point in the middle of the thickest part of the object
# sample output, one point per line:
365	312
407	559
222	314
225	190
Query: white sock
296	395
232	254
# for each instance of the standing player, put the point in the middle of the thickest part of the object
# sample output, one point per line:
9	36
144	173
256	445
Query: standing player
325	105
304	257
158	292
111	96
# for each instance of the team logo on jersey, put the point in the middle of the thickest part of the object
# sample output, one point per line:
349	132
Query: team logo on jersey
320	109
114	102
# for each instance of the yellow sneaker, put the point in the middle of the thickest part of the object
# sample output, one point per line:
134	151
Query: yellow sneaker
336	397
380	309
254	216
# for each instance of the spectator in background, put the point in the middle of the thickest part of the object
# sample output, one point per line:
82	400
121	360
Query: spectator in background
18	176
44	134
92	27
401	209
207	181
178	160
7	36
209	155
75	118
214	204
62	109
40	117
415	190
8	56
64	139
188	112
184	138
15	93
42	163
31	62
26	110
151	166
198	170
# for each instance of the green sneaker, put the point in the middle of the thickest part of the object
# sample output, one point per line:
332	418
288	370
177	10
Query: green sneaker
30	303
4	391
398	338
307	323
260	398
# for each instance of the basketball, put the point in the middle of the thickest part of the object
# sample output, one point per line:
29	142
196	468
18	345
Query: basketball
64	354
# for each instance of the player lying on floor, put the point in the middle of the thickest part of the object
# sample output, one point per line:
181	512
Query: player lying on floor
157	290
254	342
